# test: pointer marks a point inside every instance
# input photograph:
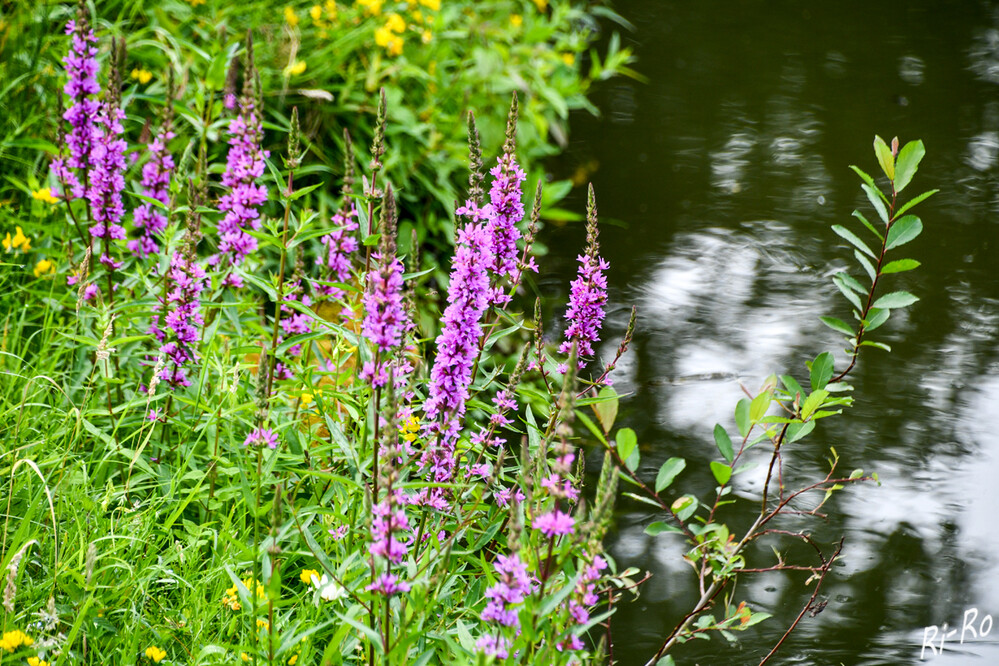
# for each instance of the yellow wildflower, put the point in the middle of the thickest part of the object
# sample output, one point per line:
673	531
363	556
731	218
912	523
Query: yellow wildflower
542	5
416	15
143	75
395	23
195	3
45	194
411	429
263	624
316	12
245	657
385	37
331	9
18	242
371	7
309	576
296	68
290	17
44	266
426	36
14	639
516	20
155	653
434	5
569	59
35	661
293	660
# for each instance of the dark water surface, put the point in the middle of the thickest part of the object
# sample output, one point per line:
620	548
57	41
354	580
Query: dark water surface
717	183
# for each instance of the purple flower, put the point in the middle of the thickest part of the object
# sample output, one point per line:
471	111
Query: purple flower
507	211
180	314
494	646
387	521
458	342
384	315
554	524
82	111
339	244
388	584
155	183
244	165
261	437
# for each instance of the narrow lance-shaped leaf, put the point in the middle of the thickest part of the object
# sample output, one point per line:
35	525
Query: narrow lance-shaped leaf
821	370
838	325
847	292
724	443
903	230
866	263
900	265
908	162
846	234
874	196
915	200
896	299
860	216
870	181
668	472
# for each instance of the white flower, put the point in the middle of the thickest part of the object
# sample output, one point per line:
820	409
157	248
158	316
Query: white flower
329	590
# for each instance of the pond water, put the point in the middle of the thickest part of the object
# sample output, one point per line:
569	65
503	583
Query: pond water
717	182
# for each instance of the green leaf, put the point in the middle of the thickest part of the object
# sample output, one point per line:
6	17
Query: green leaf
721	471
885	158
846	291
797	431
902	231
756	618
870	181
724	443
666	661
821	370
900	265
838	325
846	234
792	385
915	200
876	317
860	216
908	162
606	409
684	507
877	345
668	472
866	263
660	527
895	299
759	406
813	402
626	442
876	199
742	416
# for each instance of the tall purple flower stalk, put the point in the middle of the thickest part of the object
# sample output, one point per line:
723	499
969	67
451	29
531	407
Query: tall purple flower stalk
82	111
107	178
458	342
588	293
506	196
384	314
244	165
155	183
180	318
339	245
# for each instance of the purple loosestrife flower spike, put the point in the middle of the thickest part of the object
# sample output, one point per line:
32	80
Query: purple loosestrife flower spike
81	66
384	313
244	165
262	437
458	342
107	178
588	293
512	588
181	317
155	183
506	195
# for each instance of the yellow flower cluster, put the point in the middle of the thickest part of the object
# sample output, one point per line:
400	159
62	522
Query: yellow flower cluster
44	266
309	576
411	429
18	242
45	194
389	35
290	17
295	68
155	653
371	7
323	16
35	661
143	75
14	639
231	597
